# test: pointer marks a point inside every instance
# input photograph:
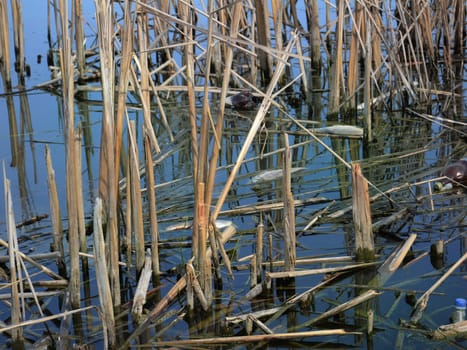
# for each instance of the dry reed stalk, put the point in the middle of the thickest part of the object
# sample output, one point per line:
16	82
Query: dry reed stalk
18	35
315	36
55	216
369	294
128	217
356	45
253	338
153	228
364	241
67	72
367	96
459	27
123	80
301	273
79	193
262	111
336	68
201	215
234	27
136	200
259	247
190	82
192	280
5	58
289	210
102	273
108	175
253	271
16	315
78	29
278	7
264	39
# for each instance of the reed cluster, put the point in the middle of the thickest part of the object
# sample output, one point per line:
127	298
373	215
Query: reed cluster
198	54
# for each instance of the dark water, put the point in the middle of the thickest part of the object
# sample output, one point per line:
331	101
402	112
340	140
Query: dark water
406	149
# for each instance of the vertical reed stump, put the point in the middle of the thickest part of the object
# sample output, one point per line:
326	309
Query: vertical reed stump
364	245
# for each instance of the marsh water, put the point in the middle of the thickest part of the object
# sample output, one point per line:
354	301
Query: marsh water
410	146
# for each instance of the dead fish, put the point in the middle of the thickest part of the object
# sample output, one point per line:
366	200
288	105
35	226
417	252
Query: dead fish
454	174
341	130
270	175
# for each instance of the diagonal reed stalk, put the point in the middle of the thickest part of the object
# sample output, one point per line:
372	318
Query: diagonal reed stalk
262	111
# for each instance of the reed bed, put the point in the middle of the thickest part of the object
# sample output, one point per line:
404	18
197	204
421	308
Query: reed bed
178	64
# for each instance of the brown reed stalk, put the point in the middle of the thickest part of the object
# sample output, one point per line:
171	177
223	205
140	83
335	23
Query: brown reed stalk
264	39
55	216
78	29
67	72
356	46
153	228
367	80
5	71
289	210
315	35
460	39
136	200
103	285
79	193
337	64
259	247
277	8
190	82
18	35
123	80
108	176
17	333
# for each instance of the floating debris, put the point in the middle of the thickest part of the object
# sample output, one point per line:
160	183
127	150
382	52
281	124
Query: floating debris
454	174
220	225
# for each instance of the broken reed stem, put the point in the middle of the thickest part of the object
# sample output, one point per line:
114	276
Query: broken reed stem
141	290
337	62
289	209
150	184
364	243
103	285
55	216
67	70
17	333
136	200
